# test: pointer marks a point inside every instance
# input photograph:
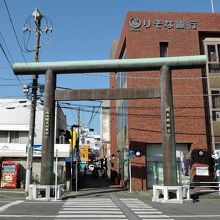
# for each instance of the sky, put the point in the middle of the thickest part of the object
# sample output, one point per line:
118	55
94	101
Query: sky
82	30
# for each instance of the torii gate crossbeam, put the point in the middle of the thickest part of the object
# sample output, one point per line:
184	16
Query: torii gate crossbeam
165	65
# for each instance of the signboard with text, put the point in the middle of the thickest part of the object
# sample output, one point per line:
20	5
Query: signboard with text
137	24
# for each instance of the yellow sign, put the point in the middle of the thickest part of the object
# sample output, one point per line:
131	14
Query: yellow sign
73	138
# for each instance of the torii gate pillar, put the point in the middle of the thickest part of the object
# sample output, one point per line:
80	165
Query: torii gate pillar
47	158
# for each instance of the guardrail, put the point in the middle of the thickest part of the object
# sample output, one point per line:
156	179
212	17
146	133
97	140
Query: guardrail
205	186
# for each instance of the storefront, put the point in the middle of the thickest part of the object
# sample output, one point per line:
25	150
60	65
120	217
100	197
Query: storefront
154	164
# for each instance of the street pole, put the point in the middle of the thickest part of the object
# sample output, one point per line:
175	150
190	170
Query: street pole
77	150
56	175
130	174
37	18
71	169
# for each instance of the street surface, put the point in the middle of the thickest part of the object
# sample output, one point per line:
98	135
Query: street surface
98	199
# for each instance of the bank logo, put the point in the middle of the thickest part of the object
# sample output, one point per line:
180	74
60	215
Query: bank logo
135	23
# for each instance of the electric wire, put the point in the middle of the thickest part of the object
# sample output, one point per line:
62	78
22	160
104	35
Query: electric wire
94	114
12	24
150	78
145	116
9	79
9	15
6	56
6	47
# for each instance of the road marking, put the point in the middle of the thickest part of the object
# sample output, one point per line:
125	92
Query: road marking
28	216
143	210
150	217
195	216
4	207
90	216
147	212
154	216
90	212
90	208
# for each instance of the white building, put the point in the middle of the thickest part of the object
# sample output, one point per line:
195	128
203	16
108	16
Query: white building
14	129
105	149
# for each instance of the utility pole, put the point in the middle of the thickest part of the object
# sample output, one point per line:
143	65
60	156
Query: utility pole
37	18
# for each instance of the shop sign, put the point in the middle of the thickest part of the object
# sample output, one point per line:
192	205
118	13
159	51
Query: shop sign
138	24
62	149
12	150
37	150
202	171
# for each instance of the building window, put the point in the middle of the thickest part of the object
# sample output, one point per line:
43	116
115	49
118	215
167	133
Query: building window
14	136
213	51
163	49
3	136
212	56
216	105
20	137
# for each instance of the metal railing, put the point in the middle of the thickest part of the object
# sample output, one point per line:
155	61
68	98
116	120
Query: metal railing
205	186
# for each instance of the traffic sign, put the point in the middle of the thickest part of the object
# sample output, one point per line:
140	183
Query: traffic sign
131	154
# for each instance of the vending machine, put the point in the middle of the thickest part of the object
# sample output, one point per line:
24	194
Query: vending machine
9	174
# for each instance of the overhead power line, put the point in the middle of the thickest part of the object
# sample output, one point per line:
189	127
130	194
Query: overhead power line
107	75
12	24
6	47
9	15
7	58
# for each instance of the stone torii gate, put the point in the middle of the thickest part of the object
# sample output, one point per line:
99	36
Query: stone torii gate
165	65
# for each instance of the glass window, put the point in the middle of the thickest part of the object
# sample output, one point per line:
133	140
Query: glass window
214	68
163	49
14	137
215	99
216	105
212	56
218	52
3	136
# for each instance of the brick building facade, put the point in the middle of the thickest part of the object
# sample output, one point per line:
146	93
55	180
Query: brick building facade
136	124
